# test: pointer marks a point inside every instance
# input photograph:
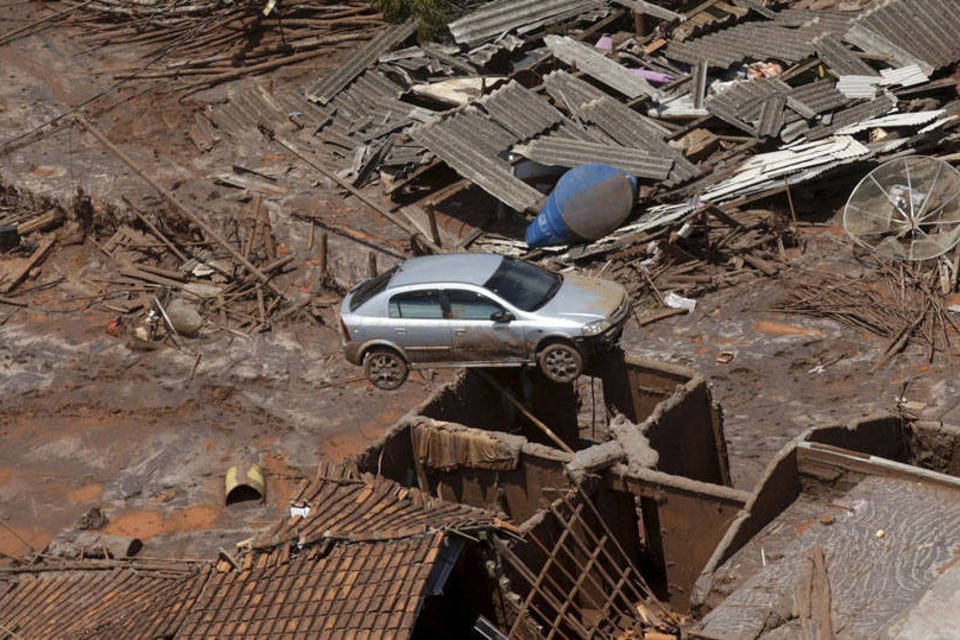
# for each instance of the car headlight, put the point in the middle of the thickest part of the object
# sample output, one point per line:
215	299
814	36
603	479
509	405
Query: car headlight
595	327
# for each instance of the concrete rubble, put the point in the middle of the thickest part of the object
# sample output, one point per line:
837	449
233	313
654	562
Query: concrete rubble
188	190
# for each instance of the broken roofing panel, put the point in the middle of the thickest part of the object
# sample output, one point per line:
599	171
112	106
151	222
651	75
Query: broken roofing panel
520	110
570	91
758	40
471	161
648	8
598	66
504	16
550	150
819	96
858	113
924	32
839	59
771	115
327	87
631	129
767	170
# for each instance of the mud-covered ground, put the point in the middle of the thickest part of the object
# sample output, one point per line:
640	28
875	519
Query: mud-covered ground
89	422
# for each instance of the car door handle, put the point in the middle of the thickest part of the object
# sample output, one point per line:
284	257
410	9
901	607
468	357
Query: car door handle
401	331
460	332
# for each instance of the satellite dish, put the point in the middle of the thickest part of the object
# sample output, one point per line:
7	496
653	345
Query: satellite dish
907	208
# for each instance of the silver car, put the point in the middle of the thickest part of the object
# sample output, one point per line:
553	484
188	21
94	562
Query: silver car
478	310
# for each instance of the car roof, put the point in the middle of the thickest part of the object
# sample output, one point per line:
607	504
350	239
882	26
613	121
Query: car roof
466	268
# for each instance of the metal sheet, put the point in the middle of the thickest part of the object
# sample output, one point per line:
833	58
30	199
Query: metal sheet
699	83
570	92
640	6
819	96
631	129
596	65
771	115
504	16
520	110
761	41
327	87
858	86
488	172
839	59
853	115
904	76
560	152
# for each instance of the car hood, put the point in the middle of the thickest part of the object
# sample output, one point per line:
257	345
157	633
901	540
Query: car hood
584	299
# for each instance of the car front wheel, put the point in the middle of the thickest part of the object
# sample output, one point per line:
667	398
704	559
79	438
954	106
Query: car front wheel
561	362
385	368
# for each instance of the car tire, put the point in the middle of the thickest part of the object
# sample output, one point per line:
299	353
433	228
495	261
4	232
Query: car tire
561	362
385	368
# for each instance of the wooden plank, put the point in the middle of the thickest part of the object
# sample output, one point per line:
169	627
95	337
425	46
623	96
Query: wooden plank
13	271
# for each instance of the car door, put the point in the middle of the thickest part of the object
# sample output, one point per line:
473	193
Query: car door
477	337
418	325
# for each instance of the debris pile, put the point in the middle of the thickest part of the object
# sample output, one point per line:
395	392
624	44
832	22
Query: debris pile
719	112
902	302
212	41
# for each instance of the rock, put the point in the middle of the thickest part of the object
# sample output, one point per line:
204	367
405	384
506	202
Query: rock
184	317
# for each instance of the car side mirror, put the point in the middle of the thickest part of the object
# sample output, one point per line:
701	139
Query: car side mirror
502	316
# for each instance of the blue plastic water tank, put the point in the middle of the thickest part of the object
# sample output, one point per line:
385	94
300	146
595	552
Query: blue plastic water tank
587	203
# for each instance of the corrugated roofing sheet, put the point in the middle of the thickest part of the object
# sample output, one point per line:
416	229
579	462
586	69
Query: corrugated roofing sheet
641	6
740	103
858	86
904	76
631	129
858	113
473	127
570	91
504	16
771	115
819	96
327	87
839	59
758	40
910	31
833	22
550	150
598	66
765	170
520	110
488	172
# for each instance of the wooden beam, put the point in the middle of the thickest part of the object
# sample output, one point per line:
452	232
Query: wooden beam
169	197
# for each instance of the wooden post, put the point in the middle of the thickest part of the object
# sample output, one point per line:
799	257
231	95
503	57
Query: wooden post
323	253
372	264
434	230
526	412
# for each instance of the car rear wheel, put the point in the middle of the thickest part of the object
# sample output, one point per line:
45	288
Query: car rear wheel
385	368
560	362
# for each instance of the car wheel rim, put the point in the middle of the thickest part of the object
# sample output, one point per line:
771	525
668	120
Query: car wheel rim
385	369
561	365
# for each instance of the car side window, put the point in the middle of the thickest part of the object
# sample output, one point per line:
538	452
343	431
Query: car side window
467	305
420	305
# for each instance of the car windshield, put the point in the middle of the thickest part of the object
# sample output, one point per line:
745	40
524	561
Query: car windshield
370	288
525	286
